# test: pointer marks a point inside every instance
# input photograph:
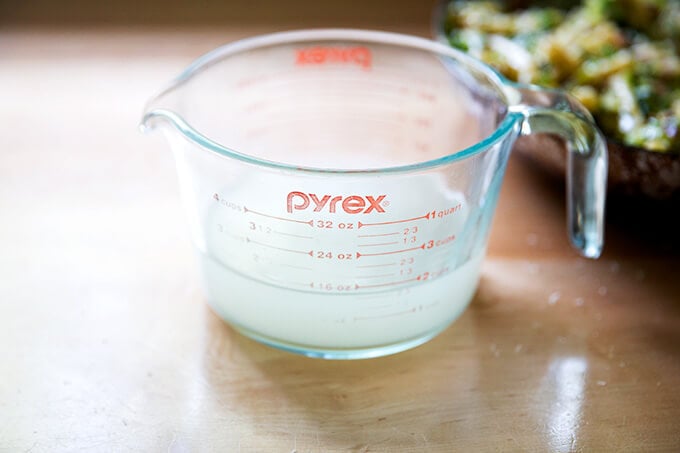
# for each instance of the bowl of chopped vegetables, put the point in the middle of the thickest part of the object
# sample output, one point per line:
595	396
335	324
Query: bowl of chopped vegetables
619	58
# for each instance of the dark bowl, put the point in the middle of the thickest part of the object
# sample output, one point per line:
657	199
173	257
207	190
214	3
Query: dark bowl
633	172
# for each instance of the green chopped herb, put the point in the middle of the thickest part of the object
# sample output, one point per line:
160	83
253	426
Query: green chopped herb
619	57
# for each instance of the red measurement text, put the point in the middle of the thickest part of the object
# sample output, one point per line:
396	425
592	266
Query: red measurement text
444	212
320	254
329	224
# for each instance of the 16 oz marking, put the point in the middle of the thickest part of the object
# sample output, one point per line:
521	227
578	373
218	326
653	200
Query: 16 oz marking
332	287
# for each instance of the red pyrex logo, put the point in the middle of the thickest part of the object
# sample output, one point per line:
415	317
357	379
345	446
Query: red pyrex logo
319	55
353	204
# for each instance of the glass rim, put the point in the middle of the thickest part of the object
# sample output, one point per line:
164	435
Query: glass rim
315	35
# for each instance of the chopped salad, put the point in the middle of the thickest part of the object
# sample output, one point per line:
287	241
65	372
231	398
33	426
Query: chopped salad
619	58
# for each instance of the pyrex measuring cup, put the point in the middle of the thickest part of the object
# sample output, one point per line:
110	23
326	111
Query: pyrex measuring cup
340	184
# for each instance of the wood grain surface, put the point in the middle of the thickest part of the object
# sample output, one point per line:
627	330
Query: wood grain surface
106	343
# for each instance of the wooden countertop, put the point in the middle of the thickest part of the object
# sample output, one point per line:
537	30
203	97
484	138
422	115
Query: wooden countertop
106	343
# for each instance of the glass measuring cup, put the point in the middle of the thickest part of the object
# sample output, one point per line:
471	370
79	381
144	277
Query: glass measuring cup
340	184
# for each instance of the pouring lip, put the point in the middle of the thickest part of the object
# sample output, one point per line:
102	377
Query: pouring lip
504	88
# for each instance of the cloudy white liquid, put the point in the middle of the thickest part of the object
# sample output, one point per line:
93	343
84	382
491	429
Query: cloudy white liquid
361	287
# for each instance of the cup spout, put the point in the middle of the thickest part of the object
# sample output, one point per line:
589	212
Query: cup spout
155	118
161	110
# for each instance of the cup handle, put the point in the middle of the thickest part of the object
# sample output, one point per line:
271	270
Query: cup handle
556	112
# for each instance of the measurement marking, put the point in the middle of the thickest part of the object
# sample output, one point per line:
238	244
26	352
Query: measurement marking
292	235
359	255
426	216
310	222
295	267
375	245
379	265
280	248
377	235
400	313
400	282
377	276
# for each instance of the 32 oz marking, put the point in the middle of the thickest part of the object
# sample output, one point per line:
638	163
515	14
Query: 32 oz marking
328	224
